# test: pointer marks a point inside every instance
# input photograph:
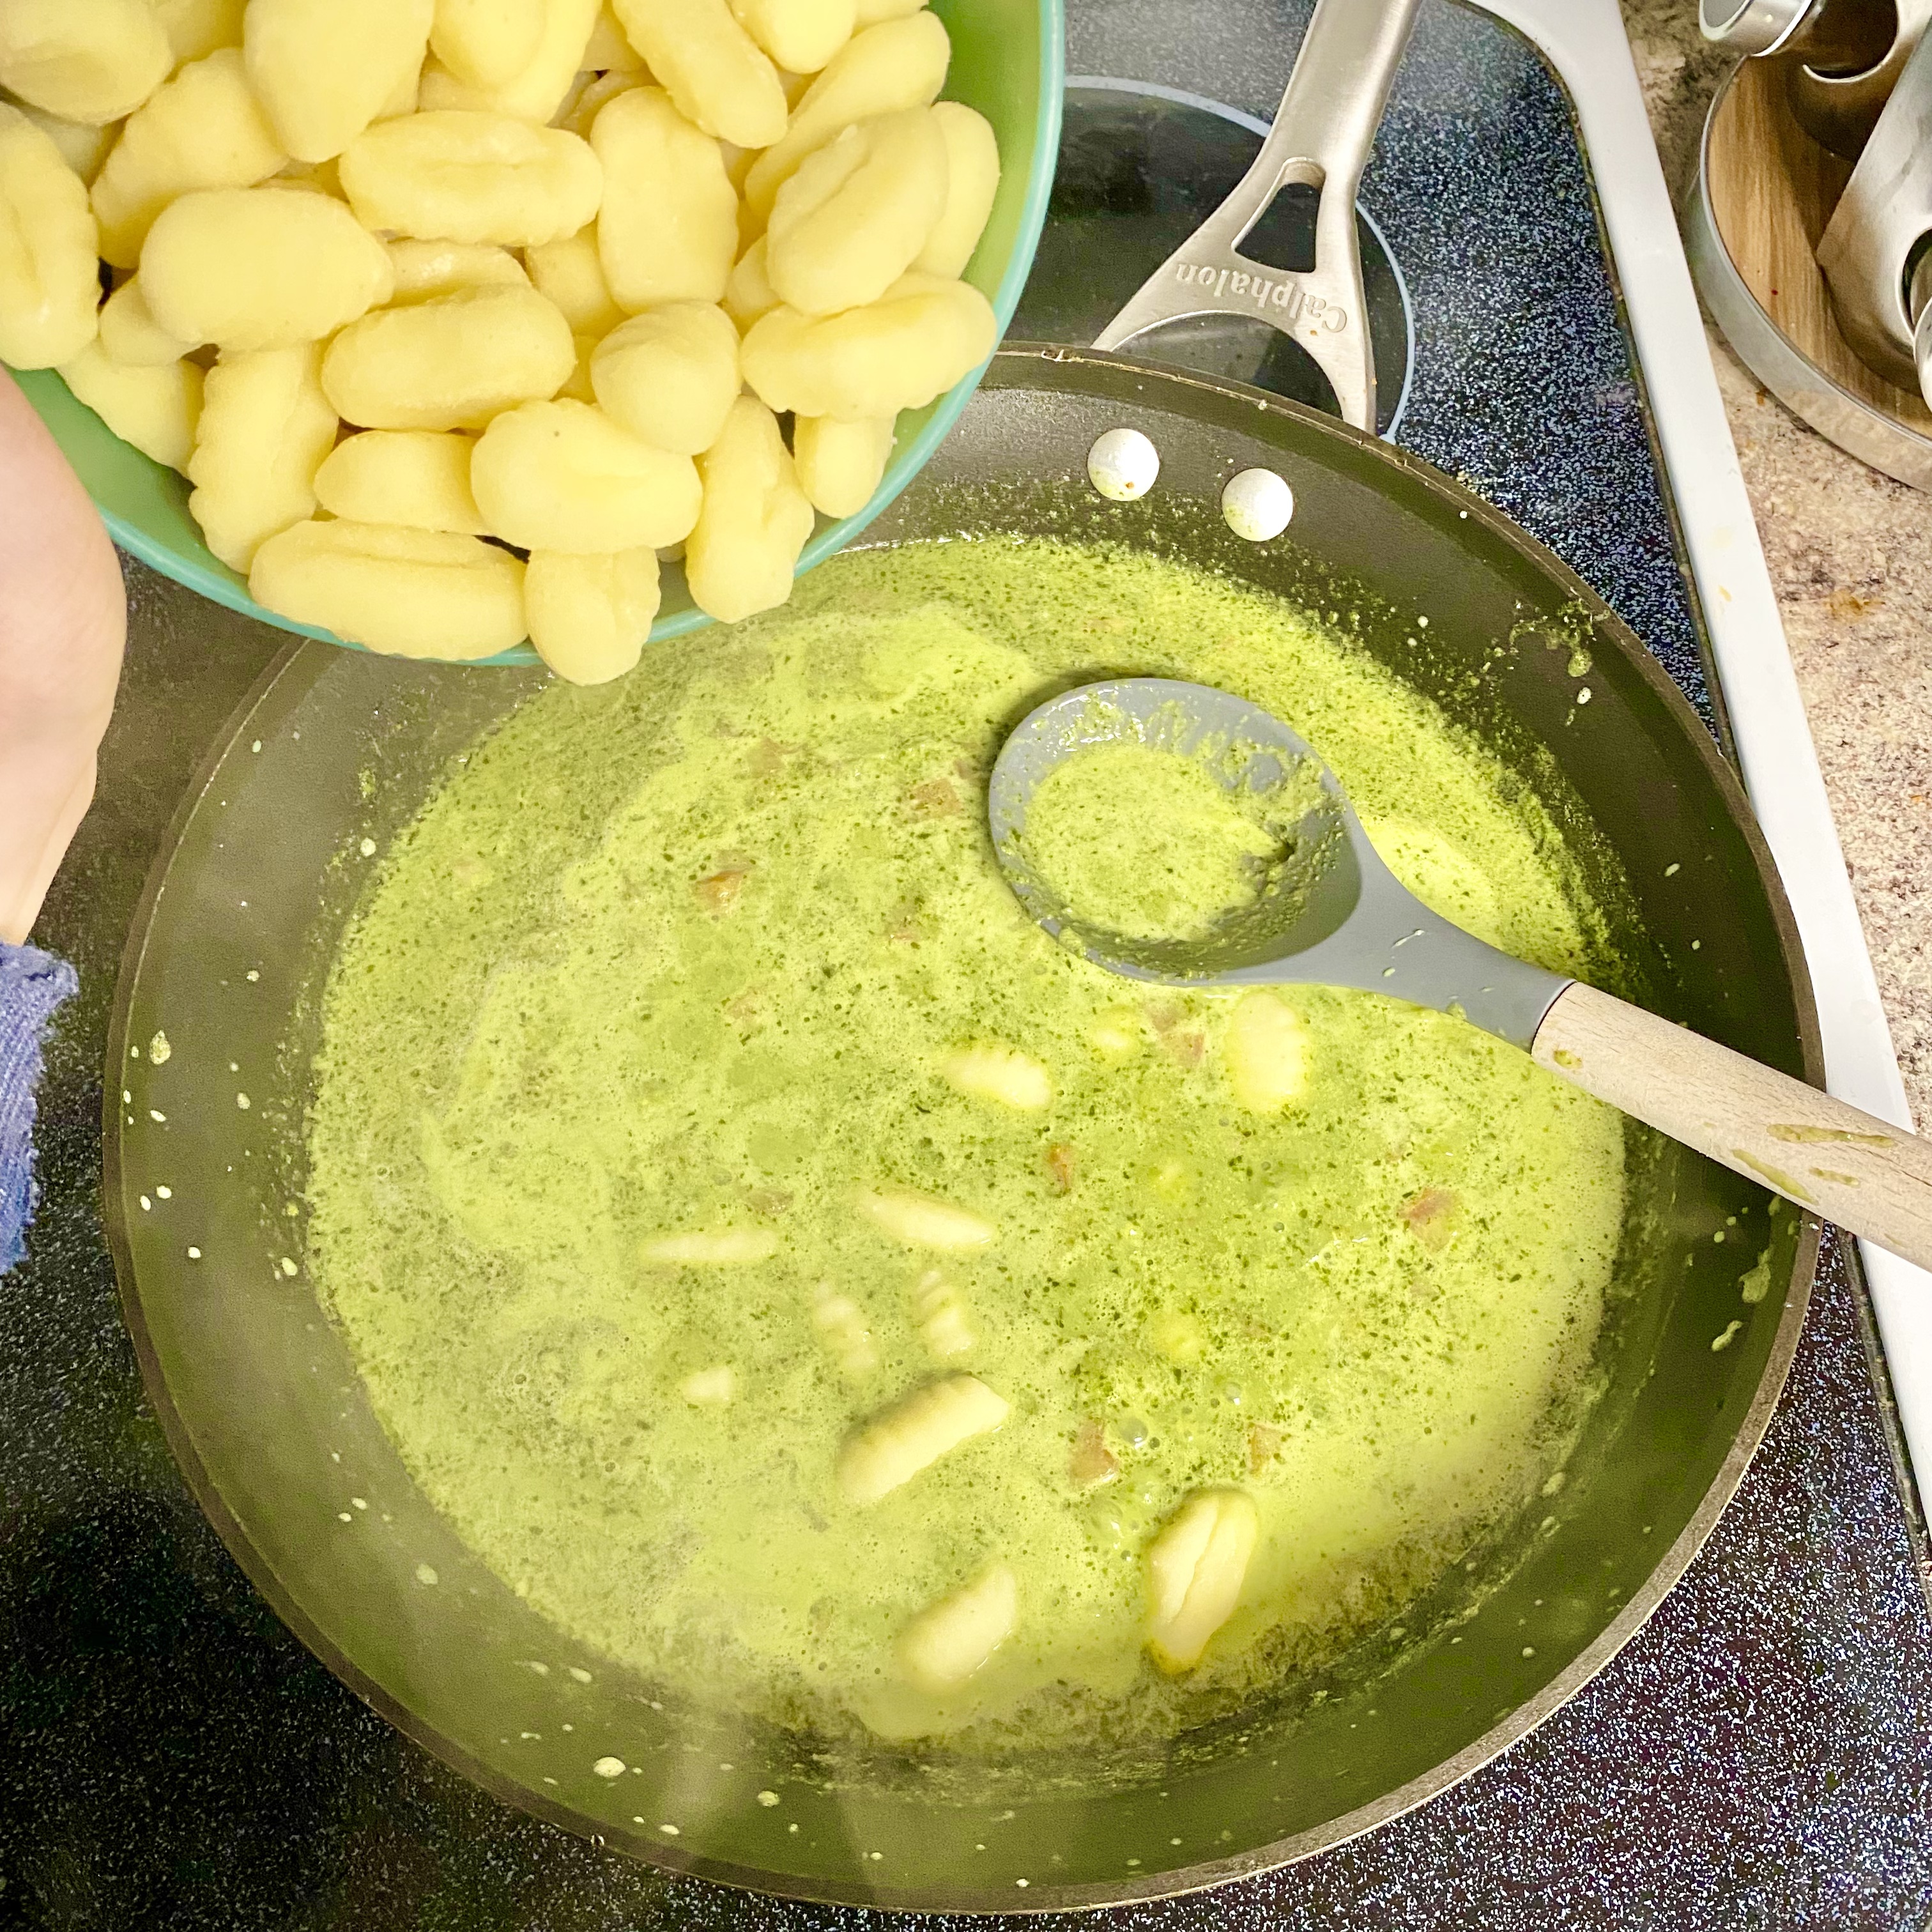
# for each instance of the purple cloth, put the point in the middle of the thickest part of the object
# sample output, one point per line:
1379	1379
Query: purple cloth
33	986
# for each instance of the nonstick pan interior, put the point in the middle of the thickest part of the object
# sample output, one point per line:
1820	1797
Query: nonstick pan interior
335	754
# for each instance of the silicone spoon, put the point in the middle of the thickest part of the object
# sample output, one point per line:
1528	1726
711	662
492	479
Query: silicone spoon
1344	919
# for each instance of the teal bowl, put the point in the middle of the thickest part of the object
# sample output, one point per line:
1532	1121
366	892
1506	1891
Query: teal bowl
1008	61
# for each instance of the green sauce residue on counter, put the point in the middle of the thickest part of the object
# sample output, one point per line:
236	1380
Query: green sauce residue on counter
686	999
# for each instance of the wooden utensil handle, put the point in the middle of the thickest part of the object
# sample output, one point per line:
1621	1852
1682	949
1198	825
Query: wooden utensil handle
1863	1173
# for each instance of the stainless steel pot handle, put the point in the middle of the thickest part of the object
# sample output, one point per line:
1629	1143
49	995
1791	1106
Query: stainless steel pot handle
1918	304
1884	214
1834	36
1320	140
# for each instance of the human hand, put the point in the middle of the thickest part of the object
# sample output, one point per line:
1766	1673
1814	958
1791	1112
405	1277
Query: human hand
63	626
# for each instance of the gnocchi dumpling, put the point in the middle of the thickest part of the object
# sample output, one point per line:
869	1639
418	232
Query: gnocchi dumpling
914	1433
580	389
130	336
850	223
955	1639
265	426
992	1071
710	66
668	230
323	69
611	51
870	12
455	363
409	593
848	1336
897	353
563	476
203	130
1267	1049
465	177
415	479
841	464
571	273
801	36
256	268
590	616
540	87
923	1221
1118	1033
886	69
487	42
153	406
670	375
84	149
49	274
973	181
427	270
755	522
748	292
1196	1566
91	61
588	97
940	1309
196	28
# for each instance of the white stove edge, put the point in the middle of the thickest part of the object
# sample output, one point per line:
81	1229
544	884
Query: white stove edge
1585	42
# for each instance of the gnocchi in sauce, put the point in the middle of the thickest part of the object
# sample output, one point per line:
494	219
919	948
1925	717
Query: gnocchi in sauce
808	1284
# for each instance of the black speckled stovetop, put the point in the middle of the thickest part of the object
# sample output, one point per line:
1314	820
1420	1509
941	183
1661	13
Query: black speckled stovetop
171	1759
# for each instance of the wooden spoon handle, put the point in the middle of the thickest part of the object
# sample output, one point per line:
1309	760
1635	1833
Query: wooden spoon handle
1863	1173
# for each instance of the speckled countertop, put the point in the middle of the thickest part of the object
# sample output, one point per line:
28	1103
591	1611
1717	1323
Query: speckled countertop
1850	553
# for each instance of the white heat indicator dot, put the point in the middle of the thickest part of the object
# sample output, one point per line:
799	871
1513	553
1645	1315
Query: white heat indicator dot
768	1798
194	1254
164	1193
242	1101
1258	505
288	1267
609	1767
368	848
426	1576
1122	465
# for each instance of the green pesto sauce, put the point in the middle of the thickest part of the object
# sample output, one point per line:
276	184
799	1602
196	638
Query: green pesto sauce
690	954
1147	843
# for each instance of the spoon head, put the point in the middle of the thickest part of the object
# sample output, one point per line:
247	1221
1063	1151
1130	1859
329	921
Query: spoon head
1303	898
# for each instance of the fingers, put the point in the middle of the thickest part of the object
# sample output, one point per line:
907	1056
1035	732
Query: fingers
63	626
63	610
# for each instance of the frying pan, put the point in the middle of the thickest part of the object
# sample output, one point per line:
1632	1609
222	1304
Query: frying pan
335	754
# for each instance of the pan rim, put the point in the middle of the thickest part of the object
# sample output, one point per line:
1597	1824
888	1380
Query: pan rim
1005	372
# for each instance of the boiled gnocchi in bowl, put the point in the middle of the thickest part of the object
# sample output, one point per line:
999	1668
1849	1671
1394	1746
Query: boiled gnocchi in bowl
462	319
